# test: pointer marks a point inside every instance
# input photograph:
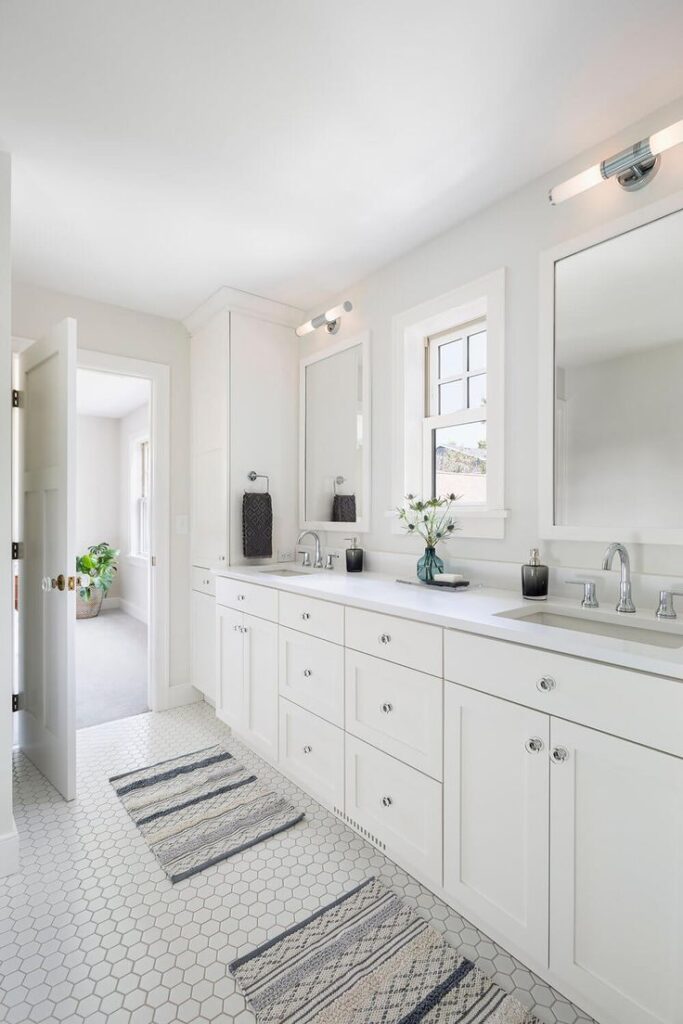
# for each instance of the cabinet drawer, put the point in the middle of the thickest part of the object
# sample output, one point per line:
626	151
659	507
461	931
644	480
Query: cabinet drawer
399	806
203	581
308	615
312	674
396	709
247	597
414	644
644	708
312	754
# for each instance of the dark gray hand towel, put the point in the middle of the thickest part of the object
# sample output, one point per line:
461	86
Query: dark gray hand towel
344	508
257	525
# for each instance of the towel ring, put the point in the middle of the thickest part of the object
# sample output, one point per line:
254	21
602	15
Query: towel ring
253	475
337	481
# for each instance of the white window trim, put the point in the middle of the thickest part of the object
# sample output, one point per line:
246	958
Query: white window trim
484	297
133	442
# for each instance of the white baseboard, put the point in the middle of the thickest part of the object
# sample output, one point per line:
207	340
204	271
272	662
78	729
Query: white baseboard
9	853
133	610
111	602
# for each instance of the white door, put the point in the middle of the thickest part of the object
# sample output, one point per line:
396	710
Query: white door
203	607
616	876
496	827
260	685
230	665
47	604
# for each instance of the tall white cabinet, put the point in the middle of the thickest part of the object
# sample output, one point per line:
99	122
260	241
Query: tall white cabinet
244	386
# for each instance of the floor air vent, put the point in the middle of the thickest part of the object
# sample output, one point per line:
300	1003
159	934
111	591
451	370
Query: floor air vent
359	828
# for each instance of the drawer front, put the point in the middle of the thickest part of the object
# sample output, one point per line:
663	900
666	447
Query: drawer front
414	644
203	581
640	707
396	709
312	754
247	597
308	615
398	806
312	674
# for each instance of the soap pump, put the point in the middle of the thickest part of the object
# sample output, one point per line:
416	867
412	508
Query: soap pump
354	556
535	578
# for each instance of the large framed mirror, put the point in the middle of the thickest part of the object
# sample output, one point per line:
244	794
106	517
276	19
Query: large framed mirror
334	446
611	384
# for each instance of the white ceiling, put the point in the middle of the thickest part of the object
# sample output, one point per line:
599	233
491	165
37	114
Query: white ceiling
108	394
289	147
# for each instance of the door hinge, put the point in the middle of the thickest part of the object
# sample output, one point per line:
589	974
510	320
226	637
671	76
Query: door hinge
17	398
17	550
15	702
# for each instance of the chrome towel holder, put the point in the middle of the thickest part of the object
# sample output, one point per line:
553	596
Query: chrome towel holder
253	475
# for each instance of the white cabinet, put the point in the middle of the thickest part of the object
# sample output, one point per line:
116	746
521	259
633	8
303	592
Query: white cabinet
312	753
203	640
312	674
616	870
247	659
496	817
415	644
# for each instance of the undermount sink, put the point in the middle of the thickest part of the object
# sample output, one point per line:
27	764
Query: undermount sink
284	572
581	623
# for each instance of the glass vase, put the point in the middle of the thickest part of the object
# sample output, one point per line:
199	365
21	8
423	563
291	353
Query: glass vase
429	565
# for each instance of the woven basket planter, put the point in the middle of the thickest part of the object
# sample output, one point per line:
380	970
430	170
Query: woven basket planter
89	609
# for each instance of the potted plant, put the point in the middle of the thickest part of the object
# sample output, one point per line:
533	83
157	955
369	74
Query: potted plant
99	566
433	521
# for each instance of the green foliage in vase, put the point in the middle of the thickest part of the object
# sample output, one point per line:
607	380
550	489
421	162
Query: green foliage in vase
100	564
432	518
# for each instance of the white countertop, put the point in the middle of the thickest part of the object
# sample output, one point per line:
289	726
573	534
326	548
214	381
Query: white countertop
478	610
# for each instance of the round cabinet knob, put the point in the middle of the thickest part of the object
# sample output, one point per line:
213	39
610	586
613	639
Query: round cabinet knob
387	801
559	754
545	684
305	616
385	639
387	707
240	597
534	745
308	673
237	628
307	749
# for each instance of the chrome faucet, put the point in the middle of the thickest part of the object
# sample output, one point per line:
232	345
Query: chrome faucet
625	602
318	557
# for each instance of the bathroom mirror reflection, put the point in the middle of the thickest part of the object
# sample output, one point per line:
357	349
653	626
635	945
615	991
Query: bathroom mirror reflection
334	463
619	381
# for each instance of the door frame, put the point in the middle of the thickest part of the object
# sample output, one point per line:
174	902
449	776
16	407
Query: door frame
159	579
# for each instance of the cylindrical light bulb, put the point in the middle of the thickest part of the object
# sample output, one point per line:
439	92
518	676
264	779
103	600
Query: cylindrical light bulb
579	183
668	137
304	329
336	311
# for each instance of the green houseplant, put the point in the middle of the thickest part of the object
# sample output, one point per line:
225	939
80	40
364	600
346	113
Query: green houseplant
97	569
433	521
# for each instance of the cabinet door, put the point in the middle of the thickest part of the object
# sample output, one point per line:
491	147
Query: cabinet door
260	726
204	643
496	820
230	662
312	753
616	871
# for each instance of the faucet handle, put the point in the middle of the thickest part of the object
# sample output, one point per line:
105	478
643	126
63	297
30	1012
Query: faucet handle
329	564
590	597
306	560
665	609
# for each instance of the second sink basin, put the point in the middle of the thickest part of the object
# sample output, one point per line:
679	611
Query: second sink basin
581	623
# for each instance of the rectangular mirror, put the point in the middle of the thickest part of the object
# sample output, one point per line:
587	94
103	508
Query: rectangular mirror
618	386
335	438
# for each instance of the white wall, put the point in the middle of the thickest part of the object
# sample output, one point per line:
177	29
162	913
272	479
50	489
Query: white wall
123	332
134	574
9	845
98	481
512	233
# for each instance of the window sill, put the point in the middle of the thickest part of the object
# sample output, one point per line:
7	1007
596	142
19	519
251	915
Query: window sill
483	523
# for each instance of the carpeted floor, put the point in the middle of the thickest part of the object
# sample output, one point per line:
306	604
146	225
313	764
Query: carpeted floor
111	668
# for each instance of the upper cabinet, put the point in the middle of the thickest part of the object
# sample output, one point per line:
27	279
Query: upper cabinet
611	382
334	437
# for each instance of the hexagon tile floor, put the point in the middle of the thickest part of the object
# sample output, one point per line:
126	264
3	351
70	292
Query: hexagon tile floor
92	931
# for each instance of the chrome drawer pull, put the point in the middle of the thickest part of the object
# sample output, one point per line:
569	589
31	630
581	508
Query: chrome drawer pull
545	684
237	628
385	639
305	616
307	673
240	597
559	755
387	801
307	749
387	707
534	745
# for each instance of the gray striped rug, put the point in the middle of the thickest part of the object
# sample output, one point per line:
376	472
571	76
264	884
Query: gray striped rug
368	959
201	808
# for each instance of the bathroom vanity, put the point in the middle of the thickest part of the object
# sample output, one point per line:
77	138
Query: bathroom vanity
530	772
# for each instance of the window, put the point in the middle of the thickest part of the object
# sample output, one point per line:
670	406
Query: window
455	439
139	497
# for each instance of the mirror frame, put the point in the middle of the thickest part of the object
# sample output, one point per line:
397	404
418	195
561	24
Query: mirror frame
546	384
361	525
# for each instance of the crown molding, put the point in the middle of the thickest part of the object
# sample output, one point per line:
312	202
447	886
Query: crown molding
236	301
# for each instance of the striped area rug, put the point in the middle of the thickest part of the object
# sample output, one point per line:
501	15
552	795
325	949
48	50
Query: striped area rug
201	808
368	959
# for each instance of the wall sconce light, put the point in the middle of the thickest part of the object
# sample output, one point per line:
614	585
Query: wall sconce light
633	167
331	319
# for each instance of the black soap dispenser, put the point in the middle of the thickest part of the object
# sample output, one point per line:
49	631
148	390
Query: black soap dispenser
354	556
535	578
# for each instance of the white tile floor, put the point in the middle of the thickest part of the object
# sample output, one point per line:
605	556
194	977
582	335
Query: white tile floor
92	931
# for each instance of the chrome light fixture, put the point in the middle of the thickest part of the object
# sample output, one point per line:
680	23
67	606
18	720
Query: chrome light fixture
331	319
633	167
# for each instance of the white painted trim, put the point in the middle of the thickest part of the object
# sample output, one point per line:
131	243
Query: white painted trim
159	577
483	297
362	524
9	853
236	301
546	382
